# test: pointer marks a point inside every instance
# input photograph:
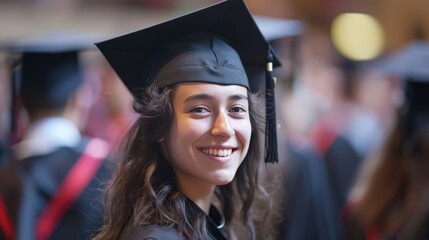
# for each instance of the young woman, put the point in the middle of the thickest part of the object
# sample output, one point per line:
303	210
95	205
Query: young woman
190	163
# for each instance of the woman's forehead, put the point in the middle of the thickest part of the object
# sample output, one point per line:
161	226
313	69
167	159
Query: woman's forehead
184	90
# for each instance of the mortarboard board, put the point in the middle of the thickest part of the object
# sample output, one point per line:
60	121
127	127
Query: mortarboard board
218	44
52	42
411	64
278	28
411	61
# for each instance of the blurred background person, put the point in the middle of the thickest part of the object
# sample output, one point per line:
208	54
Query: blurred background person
51	188
303	194
390	200
348	132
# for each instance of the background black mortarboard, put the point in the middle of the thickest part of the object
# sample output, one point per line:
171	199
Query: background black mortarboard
50	63
411	64
130	53
51	66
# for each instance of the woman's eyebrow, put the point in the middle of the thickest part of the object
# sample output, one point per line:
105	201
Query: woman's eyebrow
201	96
237	97
205	96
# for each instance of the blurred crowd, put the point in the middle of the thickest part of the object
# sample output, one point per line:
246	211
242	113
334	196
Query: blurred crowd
353	134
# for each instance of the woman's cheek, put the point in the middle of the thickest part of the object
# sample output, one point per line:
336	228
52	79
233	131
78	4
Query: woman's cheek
244	133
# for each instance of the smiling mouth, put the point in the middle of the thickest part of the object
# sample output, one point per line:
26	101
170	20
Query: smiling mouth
218	152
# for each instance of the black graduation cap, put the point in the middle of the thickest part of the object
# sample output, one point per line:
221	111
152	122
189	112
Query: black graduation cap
274	28
49	64
219	44
48	69
52	42
411	64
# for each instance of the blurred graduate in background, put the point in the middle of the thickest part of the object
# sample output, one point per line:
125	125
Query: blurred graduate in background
51	188
390	200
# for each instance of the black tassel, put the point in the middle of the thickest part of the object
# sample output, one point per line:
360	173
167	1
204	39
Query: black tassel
271	153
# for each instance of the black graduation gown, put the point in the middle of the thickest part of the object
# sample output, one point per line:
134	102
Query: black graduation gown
157	232
342	163
309	210
29	184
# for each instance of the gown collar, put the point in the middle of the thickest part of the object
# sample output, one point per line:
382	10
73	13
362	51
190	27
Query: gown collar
215	221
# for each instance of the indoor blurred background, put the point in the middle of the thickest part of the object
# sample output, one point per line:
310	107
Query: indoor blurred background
331	98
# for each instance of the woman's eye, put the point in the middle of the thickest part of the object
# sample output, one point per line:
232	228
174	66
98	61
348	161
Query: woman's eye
238	109
199	110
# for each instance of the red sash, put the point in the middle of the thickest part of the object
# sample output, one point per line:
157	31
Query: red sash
373	234
6	225
74	183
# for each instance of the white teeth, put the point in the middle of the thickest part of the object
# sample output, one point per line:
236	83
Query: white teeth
218	152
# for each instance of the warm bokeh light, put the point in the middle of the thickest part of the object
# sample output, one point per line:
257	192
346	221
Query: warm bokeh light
357	36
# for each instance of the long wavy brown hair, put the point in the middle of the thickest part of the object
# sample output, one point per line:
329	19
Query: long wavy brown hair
145	189
394	196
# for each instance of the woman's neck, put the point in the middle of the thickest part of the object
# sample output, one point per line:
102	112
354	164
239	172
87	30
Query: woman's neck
198	192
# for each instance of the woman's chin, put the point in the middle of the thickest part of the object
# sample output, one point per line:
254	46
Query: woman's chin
223	180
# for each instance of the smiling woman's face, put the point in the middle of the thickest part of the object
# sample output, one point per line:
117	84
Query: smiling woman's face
210	132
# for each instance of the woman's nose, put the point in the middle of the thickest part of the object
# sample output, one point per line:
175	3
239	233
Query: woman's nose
222	126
